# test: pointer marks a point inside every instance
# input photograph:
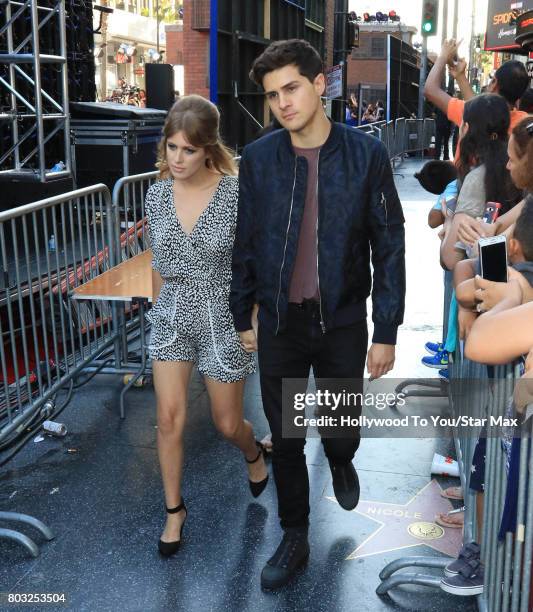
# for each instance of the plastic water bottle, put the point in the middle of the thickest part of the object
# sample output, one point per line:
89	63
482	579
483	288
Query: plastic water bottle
143	381
54	429
52	243
59	167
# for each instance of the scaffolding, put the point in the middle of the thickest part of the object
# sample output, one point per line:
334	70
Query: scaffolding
34	117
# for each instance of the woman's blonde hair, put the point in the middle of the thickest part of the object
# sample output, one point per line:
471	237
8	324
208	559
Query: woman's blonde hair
199	120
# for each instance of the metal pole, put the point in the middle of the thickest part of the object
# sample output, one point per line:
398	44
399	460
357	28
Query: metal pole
451	80
64	86
339	54
157	23
38	97
14	123
472	41
422	80
444	35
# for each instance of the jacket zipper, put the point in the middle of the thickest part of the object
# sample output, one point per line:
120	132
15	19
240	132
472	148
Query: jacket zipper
286	240
384	202
322	325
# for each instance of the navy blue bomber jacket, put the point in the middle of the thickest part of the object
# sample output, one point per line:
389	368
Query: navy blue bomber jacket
360	219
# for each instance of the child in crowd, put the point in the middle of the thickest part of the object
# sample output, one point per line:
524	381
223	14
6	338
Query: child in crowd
474	296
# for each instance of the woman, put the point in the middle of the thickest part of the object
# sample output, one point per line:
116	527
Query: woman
482	171
520	166
368	115
191	221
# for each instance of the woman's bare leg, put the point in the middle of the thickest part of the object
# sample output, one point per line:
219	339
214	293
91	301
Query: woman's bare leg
171	383
227	410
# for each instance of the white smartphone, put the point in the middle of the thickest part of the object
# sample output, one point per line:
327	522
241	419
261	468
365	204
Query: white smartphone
493	258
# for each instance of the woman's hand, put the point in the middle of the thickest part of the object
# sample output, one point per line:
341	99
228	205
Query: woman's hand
248	340
470	230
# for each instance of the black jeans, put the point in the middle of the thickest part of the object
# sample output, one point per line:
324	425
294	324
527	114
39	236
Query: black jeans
442	142
340	353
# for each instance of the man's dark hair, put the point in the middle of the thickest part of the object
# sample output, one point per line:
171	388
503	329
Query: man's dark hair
526	101
512	80
283	53
523	229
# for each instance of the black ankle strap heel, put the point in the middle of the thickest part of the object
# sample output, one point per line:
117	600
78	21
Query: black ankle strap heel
177	508
257	488
169	548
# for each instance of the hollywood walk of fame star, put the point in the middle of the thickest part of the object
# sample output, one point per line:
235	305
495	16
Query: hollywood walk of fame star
408	525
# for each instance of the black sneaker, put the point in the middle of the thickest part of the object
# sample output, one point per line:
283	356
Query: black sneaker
345	484
467	552
291	554
469	580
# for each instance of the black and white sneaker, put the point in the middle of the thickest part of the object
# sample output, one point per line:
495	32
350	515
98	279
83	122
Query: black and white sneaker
467	552
468	581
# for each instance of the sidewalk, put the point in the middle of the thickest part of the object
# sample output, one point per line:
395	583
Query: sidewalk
105	504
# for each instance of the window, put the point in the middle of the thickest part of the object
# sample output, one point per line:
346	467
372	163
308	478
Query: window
314	11
377	47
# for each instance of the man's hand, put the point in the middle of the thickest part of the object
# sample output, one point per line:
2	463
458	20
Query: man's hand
255	312
459	69
488	293
470	230
248	340
380	359
466	319
449	50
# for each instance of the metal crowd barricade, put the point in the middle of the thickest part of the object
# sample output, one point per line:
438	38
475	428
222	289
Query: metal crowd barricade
47	248
131	238
508	563
130	219
402	135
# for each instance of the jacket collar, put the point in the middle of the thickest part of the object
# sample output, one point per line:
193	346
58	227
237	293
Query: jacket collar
330	144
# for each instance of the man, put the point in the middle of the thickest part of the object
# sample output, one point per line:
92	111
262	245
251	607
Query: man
314	198
510	81
443	129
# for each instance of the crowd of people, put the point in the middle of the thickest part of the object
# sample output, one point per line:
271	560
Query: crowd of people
485	193
370	113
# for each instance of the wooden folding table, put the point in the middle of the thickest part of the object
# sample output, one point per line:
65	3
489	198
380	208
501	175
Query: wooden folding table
129	281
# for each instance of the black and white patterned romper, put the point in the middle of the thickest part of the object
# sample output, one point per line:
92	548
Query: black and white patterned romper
191	320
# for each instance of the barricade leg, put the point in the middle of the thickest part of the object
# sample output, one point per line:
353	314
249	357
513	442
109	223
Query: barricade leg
29	544
142	367
24	540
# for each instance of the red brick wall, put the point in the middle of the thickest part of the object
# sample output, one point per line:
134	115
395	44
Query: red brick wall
195	55
329	27
367	71
370	71
174	36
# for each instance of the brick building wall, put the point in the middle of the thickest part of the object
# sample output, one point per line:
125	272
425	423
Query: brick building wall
368	63
328	32
174	44
195	48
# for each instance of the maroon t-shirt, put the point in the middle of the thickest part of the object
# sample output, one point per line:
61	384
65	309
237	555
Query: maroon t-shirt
304	280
